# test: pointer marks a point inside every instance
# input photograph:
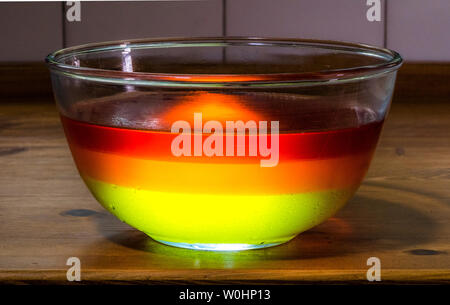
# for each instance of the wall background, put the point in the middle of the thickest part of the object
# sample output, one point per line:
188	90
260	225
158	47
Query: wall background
417	29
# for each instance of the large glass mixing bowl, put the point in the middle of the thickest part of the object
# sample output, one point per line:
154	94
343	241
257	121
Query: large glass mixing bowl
223	143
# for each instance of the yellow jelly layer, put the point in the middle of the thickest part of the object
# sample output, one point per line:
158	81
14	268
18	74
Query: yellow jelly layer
218	218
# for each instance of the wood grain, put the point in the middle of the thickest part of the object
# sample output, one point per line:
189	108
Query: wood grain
400	214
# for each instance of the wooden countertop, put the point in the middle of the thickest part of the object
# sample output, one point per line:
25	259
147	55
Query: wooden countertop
400	214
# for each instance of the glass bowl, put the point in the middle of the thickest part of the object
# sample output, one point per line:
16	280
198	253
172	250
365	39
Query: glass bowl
223	143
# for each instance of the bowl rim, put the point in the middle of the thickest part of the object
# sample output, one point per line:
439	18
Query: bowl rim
392	62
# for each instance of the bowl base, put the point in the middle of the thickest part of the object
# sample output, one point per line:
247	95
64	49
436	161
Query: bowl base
220	247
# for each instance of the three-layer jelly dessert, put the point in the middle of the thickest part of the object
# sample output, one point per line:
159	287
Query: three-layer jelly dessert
123	148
